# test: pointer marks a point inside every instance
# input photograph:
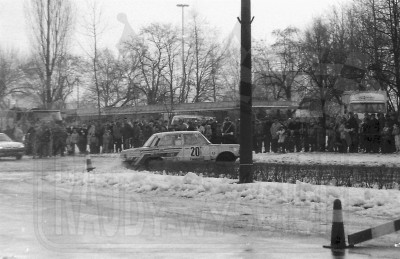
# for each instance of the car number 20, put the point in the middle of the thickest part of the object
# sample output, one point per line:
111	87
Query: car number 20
195	151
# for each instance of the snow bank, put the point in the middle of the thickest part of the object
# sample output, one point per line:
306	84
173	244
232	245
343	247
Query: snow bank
370	202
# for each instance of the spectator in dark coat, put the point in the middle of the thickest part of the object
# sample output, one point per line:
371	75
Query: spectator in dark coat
117	136
228	132
374	130
352	127
126	131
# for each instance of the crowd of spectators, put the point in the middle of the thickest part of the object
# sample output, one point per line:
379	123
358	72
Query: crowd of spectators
46	139
375	133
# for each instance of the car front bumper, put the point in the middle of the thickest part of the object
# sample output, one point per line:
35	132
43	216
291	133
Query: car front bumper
12	152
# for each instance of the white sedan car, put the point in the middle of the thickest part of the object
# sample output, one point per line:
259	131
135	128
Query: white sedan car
178	146
10	148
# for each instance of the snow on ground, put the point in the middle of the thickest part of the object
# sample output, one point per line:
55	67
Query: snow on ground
367	202
188	209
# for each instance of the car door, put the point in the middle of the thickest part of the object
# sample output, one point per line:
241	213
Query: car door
170	147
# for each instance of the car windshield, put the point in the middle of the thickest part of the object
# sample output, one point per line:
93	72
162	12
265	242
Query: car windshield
149	141
367	107
4	138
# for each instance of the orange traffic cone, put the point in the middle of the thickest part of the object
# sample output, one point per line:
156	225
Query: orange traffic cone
338	239
89	166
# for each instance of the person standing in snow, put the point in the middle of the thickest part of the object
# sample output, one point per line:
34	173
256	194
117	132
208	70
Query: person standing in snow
82	142
282	135
136	134
267	134
126	132
117	136
107	138
74	140
257	137
386	139
396	134
352	127
274	136
18	134
374	133
228	132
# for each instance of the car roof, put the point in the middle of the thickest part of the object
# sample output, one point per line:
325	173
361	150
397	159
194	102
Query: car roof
191	117
177	132
187	116
6	135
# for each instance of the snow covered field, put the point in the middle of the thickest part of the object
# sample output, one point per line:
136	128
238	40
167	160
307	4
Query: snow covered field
369	202
190	215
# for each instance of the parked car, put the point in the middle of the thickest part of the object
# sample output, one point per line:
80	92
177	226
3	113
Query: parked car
10	148
179	146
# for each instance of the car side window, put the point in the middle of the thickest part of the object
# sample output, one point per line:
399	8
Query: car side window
166	140
200	139
190	139
177	140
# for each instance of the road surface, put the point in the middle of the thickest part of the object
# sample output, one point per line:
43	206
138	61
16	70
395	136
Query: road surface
42	219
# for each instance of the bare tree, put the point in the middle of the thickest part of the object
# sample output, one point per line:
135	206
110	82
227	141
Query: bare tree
205	58
94	27
130	68
67	74
113	87
278	69
230	75
319	64
381	27
151	48
171	45
52	23
11	75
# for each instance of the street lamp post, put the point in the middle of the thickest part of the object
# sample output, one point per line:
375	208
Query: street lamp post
183	50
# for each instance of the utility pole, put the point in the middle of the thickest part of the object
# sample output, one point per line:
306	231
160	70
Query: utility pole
246	114
183	51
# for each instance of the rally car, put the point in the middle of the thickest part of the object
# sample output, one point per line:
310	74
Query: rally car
179	146
10	148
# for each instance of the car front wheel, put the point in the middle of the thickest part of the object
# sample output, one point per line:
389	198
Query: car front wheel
154	164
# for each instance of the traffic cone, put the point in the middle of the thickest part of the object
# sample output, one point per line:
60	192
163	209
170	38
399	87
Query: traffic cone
338	239
89	166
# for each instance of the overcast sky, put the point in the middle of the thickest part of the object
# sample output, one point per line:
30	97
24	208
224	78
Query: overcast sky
222	14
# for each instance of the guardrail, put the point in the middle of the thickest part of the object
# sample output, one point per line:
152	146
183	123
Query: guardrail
338	175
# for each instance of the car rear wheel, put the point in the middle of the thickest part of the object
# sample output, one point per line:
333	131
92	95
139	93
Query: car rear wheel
226	157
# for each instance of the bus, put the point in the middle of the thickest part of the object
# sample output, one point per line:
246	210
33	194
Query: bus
361	102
